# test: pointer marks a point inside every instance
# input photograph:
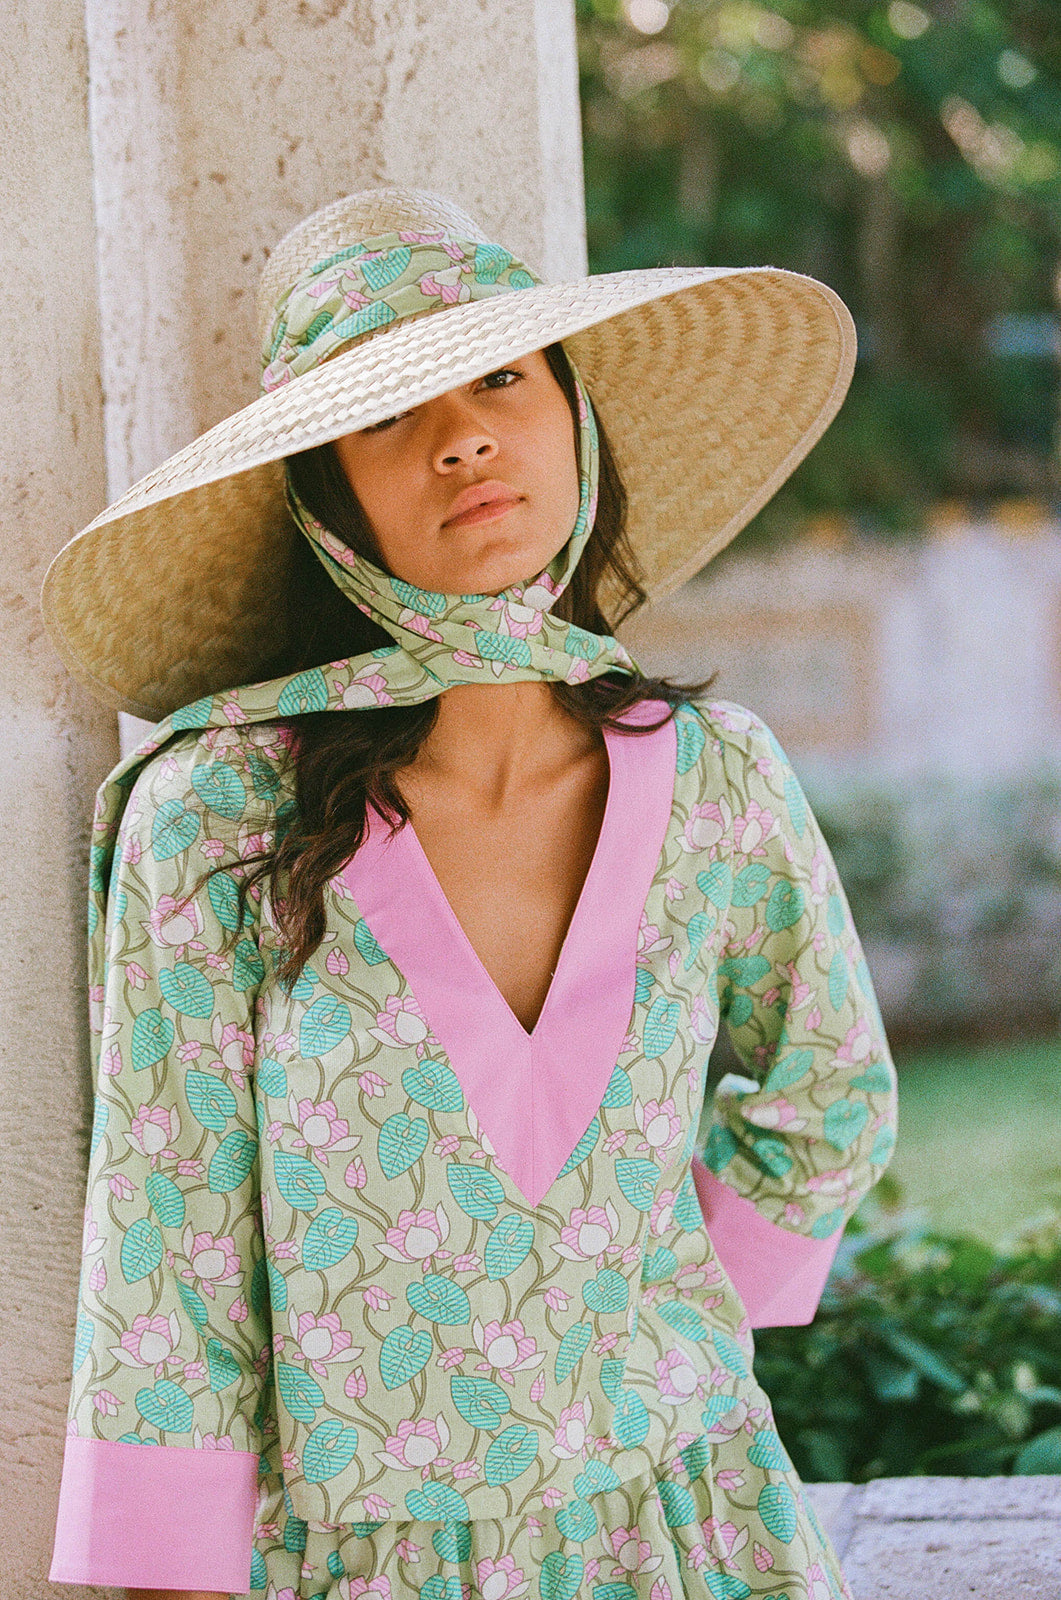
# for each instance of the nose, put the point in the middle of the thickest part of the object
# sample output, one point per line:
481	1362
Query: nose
461	438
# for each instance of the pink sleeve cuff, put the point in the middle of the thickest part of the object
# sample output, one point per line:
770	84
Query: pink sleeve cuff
155	1517
779	1275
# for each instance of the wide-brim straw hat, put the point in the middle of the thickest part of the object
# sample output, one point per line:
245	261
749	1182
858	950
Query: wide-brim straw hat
711	382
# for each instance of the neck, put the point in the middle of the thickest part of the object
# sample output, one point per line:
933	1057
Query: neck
495	739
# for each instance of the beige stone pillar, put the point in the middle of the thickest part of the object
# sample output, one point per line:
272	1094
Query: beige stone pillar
55	746
213	129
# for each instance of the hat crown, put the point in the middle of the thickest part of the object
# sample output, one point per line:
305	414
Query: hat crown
368	214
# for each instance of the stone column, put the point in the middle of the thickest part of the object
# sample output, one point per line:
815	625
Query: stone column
55	747
214	128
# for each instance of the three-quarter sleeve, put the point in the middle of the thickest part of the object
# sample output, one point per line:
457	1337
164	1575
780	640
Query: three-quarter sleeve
794	1145
172	1350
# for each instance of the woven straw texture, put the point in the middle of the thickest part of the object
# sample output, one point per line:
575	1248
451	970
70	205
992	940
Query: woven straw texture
712	384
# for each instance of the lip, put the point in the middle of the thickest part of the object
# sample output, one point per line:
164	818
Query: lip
481	502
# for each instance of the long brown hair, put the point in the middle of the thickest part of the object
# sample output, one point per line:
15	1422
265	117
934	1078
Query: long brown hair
345	760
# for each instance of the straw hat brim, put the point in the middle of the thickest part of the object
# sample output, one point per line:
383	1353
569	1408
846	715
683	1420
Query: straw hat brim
712	384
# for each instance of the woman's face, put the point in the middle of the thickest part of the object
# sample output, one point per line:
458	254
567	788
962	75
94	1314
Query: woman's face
473	491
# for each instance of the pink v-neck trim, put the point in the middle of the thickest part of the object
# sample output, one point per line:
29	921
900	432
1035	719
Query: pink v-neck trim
534	1095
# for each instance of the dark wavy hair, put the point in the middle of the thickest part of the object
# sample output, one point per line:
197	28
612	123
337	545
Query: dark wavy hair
345	760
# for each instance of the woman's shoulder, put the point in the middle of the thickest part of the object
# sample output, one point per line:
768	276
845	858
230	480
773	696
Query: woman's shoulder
230	772
721	732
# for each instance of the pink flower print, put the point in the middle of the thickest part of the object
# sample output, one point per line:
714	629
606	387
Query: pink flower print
819	877
707	825
355	299
588	1234
150	1342
366	688
676	1377
779	1113
418	1445
323	285
416	1236
517	621
694	1276
702	1023
730	1478
135	975
674	889
132	849
376	1297
551	1498
724	1540
235	1046
752	831
417	623
120	1187
569	1435
97	1278
407	1550
356	1385
171	923
210	1441
448	285
660	1124
446	1146
321	1128
402	1023
800	991
500	1580
858	1041
762	1557
376	1508
213	1260
154	1129
356	1175
661	1217
353	1588
213	847
371	1084
556	1298
648	938
322	1340
837	1184
578	671
111	1061
632	1553
105	1402
817	1584
615	1141
814	1020
507	1348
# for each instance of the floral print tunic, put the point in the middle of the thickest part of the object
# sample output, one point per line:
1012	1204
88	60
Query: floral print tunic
381	1293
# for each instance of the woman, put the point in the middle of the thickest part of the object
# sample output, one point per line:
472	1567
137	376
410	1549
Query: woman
408	958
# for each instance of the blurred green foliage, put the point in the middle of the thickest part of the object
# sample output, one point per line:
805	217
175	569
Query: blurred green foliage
907	154
930	1354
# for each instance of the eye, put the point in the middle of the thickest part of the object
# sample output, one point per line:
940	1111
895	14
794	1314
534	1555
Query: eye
503	378
380	427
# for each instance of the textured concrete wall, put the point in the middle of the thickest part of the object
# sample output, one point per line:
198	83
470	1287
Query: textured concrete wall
54	748
213	129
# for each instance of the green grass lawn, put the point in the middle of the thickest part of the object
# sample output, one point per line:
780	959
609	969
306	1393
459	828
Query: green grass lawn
979	1144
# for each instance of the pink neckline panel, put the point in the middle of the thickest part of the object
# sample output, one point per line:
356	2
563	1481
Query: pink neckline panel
534	1095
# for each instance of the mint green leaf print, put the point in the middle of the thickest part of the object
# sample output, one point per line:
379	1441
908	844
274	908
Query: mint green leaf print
367	947
619	1091
658	1267
173	829
882	1146
691	741
402	1141
738	1008
264	776
826	1226
730	1353
766	1450
571	1349
300	1393
508	1246
696	1458
86	1330
425	602
325	1025
366	320
611	1377
277	1287
608	1292
844	1121
329	1449
751	884
661	1026
724	1586
597	1477
785	906
193	717
511	1453
577	1521
720	1148
490	261
502	647
248	969
152	1038
210	1101
699	926
770	1155
630	1419
683	1319
583	1149
561	1576
687	1213
165	1198
101	1115
230	1163
404	1352
839	976
272	1078
224	897
166	1407
716	884
719	1406
298	1180
613	1591
479	1401
434	1085
797	805
141	1251
678	1507
220	788
875	1080
382	270
221	1365
637	1179
439	1300
834	916
478	1193
777	1508
586	646
745	970
643	985
789	1069
195	1305
452	1542
308	691
437	1502
329	1238
187	991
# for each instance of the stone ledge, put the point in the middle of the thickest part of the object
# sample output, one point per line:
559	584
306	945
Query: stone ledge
946	1538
